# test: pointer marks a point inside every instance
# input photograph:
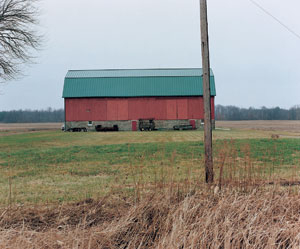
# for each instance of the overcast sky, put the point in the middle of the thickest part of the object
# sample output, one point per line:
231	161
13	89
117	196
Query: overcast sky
256	61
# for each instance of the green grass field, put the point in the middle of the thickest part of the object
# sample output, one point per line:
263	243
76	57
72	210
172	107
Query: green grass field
53	166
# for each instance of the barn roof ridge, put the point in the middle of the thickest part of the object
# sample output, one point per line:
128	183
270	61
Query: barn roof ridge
149	72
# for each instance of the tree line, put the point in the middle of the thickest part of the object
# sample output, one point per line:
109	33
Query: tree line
32	116
263	113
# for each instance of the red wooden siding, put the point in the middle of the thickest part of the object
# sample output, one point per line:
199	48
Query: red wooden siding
164	108
112	110
99	109
123	109
182	108
171	109
195	108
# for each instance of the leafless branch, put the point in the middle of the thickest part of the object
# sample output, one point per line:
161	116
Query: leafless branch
18	37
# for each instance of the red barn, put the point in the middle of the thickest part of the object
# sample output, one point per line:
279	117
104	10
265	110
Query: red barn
123	97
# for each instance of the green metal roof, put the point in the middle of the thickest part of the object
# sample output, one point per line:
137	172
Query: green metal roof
135	83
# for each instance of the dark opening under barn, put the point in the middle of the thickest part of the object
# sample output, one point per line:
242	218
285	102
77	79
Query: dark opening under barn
170	97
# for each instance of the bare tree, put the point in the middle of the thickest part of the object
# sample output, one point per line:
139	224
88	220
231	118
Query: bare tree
18	36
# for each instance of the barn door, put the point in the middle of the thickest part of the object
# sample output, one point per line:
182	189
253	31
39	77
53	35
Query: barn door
134	125
193	124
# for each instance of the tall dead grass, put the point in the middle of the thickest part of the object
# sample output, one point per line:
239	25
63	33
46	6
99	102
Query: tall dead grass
262	218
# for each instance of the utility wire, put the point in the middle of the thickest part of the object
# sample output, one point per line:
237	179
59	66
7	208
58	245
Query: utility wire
275	18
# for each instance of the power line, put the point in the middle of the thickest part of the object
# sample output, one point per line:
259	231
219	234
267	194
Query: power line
275	18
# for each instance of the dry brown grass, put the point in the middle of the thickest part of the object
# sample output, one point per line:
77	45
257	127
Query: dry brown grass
262	218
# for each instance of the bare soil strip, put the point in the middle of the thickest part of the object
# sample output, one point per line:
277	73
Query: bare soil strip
273	125
20	128
29	126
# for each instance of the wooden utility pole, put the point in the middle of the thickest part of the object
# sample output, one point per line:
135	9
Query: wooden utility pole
209	172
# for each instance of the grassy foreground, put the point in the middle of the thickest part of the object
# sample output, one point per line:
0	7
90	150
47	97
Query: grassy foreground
145	190
49	167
